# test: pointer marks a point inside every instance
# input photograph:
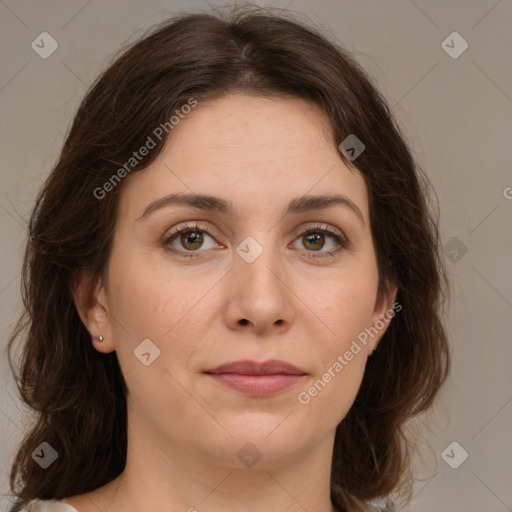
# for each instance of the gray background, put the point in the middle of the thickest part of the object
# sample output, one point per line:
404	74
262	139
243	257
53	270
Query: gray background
456	113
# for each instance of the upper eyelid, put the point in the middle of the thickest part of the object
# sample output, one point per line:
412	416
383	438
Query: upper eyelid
304	228
322	227
209	230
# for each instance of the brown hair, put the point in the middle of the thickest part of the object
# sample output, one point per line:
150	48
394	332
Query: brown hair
63	378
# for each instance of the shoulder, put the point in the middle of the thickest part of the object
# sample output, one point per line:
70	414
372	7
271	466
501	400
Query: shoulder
48	506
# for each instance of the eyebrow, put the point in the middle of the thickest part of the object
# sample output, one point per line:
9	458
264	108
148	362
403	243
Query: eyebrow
210	203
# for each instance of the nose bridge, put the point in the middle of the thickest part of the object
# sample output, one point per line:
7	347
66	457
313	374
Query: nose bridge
257	257
261	292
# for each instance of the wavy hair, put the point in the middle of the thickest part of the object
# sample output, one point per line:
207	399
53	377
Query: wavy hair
63	379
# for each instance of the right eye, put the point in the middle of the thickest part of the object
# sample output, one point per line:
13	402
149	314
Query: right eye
190	237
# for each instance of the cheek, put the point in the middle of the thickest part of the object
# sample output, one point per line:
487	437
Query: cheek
341	359
330	396
149	299
348	305
342	352
151	302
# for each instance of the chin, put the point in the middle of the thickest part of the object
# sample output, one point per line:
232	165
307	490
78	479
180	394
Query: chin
259	445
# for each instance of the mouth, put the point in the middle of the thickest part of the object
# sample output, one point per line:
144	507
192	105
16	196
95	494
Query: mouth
257	379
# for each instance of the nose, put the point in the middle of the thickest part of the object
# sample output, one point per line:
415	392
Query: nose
259	296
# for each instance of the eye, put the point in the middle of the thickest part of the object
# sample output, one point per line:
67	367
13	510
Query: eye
191	238
314	238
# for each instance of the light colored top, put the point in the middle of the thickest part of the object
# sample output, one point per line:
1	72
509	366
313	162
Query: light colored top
48	506
58	506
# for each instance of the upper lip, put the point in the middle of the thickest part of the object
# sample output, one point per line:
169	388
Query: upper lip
246	367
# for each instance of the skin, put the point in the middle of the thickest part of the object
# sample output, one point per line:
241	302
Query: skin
184	430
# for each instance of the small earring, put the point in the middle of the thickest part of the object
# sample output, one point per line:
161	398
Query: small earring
99	338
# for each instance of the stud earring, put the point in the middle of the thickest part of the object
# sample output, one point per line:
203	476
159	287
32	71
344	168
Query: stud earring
99	338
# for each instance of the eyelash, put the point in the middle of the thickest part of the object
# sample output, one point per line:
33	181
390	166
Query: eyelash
319	228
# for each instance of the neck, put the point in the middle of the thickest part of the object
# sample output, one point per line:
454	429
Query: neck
160	475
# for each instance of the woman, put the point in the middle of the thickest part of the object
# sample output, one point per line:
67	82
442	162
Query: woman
233	283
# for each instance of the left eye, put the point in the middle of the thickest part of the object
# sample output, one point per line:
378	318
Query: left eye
315	240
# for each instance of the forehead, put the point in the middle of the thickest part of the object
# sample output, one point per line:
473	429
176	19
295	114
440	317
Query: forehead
256	151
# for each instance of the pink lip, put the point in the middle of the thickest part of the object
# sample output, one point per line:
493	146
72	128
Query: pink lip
257	379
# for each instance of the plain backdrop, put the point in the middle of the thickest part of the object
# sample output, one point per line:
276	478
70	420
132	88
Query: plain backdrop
456	111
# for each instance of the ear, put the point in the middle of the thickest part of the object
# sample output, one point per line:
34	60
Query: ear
385	309
91	304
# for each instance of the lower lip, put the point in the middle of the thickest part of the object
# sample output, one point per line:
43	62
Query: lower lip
257	385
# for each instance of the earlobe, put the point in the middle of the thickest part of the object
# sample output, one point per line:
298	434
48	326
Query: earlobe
93	311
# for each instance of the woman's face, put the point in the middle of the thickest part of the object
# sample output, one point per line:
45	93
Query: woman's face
244	285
